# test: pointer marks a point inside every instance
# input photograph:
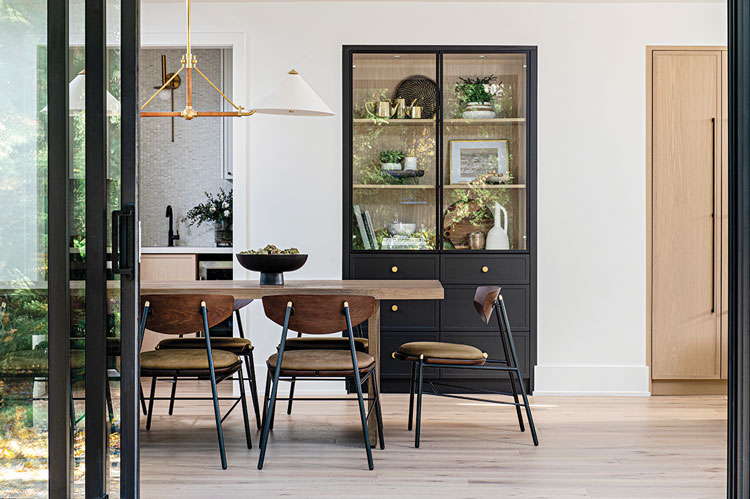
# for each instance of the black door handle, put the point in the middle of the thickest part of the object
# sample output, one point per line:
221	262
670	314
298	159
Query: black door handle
123	241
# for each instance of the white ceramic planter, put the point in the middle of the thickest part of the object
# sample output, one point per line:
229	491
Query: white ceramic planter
476	110
390	167
410	163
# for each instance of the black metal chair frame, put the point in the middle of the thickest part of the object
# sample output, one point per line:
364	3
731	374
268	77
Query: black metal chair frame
509	365
249	367
214	382
269	403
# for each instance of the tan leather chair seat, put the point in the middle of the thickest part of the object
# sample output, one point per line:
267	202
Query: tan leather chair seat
325	343
178	359
320	360
440	351
234	345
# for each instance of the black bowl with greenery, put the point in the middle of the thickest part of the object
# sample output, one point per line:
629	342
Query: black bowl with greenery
270	264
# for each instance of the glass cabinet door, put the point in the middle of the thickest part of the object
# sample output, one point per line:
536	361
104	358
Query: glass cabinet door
484	151
394	108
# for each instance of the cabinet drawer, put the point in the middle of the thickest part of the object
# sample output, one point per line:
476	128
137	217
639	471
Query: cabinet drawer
409	314
389	343
394	267
485	269
458	313
492	344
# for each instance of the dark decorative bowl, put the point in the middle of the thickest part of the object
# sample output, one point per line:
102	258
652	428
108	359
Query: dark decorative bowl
271	267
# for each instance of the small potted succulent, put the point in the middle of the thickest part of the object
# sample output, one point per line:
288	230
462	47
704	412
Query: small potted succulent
477	95
217	210
390	159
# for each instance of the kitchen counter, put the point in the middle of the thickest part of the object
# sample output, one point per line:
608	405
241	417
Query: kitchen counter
185	250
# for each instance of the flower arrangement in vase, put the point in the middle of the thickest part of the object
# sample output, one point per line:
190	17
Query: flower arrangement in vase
217	210
477	95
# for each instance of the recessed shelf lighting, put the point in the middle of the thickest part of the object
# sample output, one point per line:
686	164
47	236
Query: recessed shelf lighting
481	57
396	56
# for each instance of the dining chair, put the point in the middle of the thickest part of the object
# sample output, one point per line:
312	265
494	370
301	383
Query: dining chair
181	314
311	314
240	346
435	354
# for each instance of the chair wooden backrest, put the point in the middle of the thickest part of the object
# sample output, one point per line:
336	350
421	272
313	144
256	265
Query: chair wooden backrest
318	314
181	314
484	301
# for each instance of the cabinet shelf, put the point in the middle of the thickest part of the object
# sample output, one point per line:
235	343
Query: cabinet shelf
451	121
449	186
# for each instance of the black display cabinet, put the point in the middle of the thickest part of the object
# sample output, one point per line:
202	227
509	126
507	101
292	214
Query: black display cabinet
439	182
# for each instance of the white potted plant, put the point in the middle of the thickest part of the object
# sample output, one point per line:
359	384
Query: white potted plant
390	160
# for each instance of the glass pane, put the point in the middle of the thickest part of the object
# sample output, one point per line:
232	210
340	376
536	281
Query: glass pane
23	250
394	161
77	189
484	146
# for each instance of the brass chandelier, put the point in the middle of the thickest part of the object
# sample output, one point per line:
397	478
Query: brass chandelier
293	95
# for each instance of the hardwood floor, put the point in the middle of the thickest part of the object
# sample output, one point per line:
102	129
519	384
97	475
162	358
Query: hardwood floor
603	447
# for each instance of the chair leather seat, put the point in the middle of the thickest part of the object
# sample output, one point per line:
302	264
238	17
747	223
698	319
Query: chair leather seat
235	345
325	343
320	360
177	359
439	350
34	362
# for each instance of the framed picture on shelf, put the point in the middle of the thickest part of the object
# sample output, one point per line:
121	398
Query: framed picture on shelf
472	158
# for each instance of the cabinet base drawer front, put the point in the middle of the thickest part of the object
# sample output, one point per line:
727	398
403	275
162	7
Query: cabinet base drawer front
409	314
484	269
492	345
457	310
394	267
389	343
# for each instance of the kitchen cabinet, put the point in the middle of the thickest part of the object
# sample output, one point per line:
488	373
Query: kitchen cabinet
688	221
424	167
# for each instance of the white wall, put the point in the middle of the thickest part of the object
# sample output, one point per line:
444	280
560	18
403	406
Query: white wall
591	150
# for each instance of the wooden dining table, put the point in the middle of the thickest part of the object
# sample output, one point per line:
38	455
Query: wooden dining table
379	289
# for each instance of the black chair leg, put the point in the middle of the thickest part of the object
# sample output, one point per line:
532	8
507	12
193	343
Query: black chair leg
151	403
110	408
266	396
419	402
171	397
243	401
291	396
143	398
272	402
509	358
411	394
378	411
250	365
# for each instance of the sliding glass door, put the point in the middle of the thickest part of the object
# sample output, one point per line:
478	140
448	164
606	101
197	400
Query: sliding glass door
68	266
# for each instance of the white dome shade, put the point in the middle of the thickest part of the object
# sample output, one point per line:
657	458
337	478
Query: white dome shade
77	97
293	97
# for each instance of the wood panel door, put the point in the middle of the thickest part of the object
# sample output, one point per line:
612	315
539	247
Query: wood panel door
686	330
724	215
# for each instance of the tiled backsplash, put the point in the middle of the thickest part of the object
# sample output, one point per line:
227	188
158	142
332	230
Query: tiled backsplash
179	172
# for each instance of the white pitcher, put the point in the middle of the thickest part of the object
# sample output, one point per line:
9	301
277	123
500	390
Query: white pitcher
497	237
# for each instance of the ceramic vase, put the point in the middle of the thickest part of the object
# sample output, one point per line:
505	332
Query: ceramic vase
497	237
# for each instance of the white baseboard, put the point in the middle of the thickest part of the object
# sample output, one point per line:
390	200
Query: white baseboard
591	381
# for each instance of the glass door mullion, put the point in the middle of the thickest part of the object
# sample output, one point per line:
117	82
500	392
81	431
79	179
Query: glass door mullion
96	249
129	290
59	385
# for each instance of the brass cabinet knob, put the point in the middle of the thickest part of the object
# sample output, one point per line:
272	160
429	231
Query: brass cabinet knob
394	269
394	308
485	269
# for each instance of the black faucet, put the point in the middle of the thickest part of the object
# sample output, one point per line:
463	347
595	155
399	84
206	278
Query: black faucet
171	235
